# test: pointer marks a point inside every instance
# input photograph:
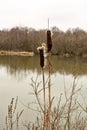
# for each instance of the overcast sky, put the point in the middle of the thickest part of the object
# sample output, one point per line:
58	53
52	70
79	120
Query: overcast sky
64	14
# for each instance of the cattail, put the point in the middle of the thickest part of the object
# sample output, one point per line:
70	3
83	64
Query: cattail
41	50
49	41
41	58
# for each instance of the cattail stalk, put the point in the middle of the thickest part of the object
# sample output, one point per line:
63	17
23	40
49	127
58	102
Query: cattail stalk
47	113
49	47
44	96
43	77
49	95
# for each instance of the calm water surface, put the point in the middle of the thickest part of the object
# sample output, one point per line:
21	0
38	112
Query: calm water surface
15	79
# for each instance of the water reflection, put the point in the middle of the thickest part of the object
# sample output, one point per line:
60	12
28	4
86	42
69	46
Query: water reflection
12	67
74	66
18	65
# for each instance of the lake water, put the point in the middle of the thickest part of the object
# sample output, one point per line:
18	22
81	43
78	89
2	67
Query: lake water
15	79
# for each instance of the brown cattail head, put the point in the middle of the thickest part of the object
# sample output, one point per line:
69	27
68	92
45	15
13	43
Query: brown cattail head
49	41
41	57
41	50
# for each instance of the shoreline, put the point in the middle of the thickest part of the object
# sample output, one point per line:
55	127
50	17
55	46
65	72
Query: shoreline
16	53
25	53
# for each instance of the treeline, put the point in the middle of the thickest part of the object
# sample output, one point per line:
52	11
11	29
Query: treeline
21	39
72	42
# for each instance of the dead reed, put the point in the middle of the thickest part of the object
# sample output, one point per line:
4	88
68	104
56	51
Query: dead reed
12	118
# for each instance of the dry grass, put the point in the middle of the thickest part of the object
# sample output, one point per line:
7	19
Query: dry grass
12	118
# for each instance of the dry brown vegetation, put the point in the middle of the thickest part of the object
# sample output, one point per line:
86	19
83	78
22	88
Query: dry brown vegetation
72	42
